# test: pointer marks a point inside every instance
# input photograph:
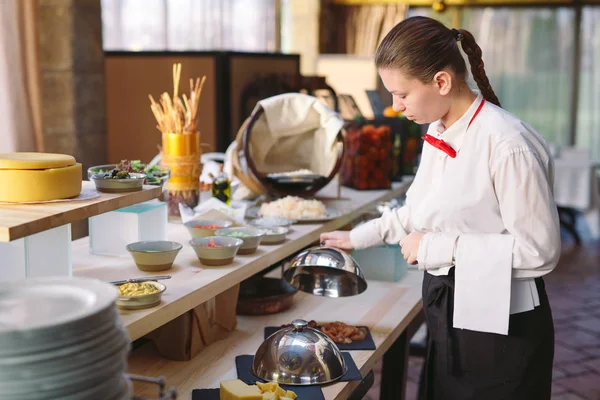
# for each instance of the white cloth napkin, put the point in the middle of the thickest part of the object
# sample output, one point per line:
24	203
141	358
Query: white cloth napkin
482	289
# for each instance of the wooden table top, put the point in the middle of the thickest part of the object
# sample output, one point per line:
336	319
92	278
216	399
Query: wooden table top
386	308
21	220
193	283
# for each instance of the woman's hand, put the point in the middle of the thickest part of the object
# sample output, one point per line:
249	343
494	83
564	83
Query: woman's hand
339	239
410	246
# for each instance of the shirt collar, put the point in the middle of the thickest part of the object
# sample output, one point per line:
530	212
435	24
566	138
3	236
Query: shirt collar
455	134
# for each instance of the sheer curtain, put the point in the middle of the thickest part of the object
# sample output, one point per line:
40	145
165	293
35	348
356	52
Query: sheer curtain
588	106
180	25
20	97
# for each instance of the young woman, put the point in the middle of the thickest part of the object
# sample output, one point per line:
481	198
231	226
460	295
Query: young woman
479	219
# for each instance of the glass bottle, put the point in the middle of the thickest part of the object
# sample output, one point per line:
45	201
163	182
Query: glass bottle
221	188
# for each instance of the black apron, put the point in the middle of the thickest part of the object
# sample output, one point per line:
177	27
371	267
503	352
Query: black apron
468	365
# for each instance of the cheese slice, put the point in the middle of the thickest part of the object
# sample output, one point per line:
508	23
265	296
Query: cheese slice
35	160
238	390
40	185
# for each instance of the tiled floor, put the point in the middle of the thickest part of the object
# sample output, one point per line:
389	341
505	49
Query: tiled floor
574	293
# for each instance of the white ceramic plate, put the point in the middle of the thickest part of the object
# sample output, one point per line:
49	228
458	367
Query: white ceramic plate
37	306
72	381
27	344
71	357
254	212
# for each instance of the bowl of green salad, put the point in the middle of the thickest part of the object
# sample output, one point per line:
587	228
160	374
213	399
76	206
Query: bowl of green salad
155	175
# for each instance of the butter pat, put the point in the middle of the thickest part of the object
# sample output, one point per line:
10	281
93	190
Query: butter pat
238	390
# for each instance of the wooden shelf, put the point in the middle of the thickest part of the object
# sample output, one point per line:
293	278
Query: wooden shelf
21	220
193	283
387	308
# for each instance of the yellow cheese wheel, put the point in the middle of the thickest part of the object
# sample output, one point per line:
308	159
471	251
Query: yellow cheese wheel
40	185
35	160
238	390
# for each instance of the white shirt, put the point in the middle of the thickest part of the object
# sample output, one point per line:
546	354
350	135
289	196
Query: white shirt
491	206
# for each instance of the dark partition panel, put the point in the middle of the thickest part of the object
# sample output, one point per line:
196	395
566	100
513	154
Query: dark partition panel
132	76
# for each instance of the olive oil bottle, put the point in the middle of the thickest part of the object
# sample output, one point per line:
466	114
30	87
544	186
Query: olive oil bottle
221	188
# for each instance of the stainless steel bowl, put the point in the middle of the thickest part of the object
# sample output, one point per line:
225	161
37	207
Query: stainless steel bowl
299	355
326	271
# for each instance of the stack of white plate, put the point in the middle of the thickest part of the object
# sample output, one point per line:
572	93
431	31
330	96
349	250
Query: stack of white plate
60	338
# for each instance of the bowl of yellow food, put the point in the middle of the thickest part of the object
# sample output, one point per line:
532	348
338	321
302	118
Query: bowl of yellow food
139	295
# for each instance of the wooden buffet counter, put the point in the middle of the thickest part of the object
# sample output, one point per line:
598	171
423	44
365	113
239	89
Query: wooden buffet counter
387	308
391	310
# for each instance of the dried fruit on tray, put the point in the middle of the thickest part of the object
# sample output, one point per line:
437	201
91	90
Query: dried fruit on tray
367	162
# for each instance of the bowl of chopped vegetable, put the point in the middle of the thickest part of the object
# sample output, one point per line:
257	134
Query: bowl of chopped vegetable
139	295
154	255
206	227
116	181
251	237
155	175
216	250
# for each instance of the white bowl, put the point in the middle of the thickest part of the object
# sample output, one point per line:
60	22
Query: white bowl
192	226
271	222
222	255
251	237
144	301
275	235
154	255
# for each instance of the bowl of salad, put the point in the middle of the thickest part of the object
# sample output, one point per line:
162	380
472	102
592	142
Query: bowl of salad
250	236
155	175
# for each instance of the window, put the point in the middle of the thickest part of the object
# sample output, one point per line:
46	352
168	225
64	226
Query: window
588	105
528	55
188	25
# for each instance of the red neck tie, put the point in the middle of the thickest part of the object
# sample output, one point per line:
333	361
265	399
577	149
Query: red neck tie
439	144
443	146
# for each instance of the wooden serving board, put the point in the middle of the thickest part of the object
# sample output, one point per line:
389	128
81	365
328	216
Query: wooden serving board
21	220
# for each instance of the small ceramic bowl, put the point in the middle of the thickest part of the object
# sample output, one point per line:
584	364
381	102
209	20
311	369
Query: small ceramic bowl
274	235
222	255
271	222
144	301
202	227
250	236
152	256
132	184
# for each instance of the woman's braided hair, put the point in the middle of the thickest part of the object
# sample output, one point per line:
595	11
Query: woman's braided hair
473	52
422	46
